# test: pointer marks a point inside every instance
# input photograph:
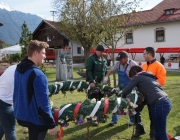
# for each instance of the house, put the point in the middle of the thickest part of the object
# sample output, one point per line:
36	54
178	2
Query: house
160	29
48	31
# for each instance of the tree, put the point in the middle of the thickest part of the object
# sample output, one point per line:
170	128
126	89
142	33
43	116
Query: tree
77	23
116	18
24	40
90	22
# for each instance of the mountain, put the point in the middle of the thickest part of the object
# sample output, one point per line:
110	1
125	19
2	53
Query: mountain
12	21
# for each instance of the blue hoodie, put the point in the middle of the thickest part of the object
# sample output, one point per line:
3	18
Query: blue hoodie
30	98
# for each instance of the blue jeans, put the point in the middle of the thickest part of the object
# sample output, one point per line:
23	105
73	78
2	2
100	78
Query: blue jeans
131	118
7	121
159	112
115	118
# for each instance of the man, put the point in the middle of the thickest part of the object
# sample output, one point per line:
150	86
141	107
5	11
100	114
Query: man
162	59
158	70
96	67
7	119
30	98
122	67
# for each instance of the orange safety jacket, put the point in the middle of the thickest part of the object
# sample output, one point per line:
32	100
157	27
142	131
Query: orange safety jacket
157	69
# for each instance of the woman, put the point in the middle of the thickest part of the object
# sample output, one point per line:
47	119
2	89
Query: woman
155	97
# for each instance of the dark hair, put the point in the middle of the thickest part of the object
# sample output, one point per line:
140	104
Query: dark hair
150	50
134	70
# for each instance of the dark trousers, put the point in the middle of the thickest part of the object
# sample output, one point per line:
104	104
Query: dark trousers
7	121
36	132
138	121
97	96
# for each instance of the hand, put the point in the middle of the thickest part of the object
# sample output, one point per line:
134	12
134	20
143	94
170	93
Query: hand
92	85
53	131
105	80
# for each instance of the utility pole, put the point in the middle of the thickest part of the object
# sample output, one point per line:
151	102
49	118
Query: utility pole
53	14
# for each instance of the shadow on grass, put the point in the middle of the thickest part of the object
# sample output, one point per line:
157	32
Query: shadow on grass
96	134
177	129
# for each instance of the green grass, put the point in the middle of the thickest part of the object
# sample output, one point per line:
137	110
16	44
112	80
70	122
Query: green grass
121	131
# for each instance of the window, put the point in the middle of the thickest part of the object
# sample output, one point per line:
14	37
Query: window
48	38
160	37
129	38
169	12
65	42
78	50
53	38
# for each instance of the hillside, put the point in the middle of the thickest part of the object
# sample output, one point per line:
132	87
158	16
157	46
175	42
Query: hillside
12	21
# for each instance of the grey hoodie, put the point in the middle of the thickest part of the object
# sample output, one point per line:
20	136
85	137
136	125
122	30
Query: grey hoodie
147	84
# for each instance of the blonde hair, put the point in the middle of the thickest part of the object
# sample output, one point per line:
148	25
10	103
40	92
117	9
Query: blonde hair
35	45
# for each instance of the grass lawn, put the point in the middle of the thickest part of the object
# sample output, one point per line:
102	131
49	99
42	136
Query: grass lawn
120	131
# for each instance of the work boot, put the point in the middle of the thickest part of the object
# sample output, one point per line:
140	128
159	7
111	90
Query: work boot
130	124
137	135
112	123
139	130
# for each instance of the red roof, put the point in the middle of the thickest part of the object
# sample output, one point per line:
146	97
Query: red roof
168	50
136	50
157	13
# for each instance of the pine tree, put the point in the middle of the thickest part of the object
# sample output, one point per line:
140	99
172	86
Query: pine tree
24	40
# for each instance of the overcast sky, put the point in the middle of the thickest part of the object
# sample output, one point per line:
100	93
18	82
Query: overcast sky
43	7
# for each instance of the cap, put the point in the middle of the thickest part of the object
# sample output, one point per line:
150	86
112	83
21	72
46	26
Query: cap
100	48
121	55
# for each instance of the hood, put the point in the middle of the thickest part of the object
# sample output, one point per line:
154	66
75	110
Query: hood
148	74
25	65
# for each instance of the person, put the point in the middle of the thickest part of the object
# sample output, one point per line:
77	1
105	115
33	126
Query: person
30	98
7	119
96	68
158	70
162	60
156	98
122	67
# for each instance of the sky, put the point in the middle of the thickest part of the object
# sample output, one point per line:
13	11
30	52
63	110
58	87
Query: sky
43	7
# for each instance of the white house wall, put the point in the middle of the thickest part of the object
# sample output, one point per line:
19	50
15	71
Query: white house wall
145	36
74	47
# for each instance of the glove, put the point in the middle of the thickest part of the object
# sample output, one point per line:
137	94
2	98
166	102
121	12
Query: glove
105	80
119	93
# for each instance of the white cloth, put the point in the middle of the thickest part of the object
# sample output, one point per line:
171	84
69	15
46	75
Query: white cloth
7	85
105	80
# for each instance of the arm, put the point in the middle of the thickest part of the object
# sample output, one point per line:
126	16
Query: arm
109	73
89	69
114	68
129	87
161	74
40	85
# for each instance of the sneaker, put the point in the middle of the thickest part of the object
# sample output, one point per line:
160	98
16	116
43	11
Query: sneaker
112	123
130	123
